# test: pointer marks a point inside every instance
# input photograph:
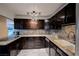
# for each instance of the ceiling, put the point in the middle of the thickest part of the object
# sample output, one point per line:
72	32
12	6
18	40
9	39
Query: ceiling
21	9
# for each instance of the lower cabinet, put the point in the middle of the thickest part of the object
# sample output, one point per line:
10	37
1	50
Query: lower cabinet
13	48
59	52
55	50
16	46
4	51
52	49
47	45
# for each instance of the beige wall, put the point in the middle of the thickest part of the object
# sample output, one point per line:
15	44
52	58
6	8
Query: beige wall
3	27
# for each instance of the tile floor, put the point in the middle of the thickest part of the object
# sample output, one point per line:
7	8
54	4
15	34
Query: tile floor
33	52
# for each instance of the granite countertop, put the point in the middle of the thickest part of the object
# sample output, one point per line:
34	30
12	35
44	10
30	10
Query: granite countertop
8	41
64	45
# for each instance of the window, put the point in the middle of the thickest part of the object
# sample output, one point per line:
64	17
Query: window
10	26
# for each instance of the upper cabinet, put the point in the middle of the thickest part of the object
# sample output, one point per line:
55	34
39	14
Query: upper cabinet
32	24
70	13
65	16
57	20
60	16
18	24
28	24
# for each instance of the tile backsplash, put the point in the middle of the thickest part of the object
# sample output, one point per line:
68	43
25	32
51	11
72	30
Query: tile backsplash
68	33
32	32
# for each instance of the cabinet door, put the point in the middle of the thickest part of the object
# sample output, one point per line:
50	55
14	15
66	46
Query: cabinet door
18	23
70	13
22	41
13	49
31	24
61	16
4	51
21	24
58	19
47	45
52	49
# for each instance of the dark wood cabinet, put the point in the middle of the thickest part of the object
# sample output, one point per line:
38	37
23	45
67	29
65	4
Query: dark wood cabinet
65	16
70	13
13	48
28	24
18	24
54	50
4	51
57	20
31	24
61	16
34	43
16	46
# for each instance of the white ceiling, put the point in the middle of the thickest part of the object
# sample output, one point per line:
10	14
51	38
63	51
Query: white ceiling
22	8
46	9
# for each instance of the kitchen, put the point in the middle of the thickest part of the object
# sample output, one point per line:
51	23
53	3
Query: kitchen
51	32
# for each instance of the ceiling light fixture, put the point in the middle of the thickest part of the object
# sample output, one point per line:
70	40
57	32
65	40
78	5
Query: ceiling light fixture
34	14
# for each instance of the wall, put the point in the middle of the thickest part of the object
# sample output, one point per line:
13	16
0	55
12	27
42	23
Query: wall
32	32
68	33
77	29
3	27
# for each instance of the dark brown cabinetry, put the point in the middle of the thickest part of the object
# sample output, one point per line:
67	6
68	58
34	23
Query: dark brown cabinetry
28	24
65	16
61	16
16	46
31	24
13	48
52	49
55	50
4	51
70	13
34	43
57	20
18	24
